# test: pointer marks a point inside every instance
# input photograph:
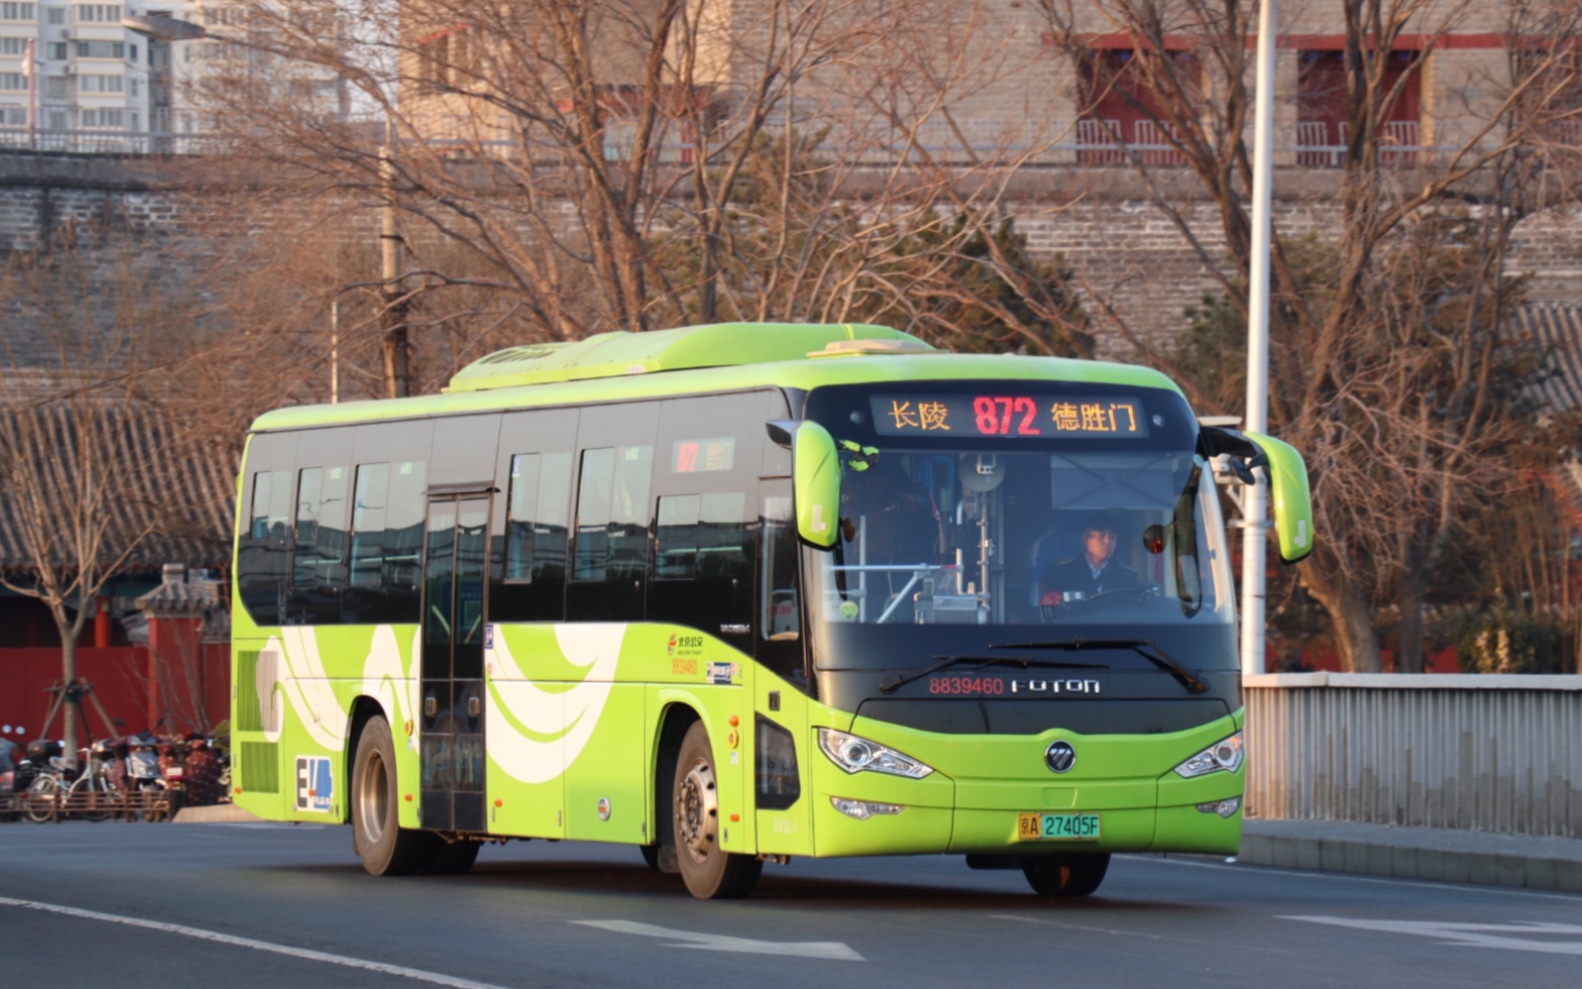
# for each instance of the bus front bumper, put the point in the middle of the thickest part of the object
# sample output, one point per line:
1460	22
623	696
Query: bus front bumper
865	814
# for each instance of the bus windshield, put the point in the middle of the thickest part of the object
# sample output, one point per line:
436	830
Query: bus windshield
1002	543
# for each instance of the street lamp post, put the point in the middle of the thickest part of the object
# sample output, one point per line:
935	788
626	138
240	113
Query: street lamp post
1255	499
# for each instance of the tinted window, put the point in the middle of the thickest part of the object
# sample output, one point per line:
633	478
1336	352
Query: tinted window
536	523
318	569
533	533
264	557
612	514
701	535
707	517
387	542
779	616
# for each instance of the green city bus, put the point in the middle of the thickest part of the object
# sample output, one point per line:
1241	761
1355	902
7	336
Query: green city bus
743	592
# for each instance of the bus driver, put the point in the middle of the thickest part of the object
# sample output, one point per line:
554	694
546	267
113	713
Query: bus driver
1093	571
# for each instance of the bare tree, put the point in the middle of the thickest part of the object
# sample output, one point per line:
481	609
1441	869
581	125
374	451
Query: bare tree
75	447
547	159
1387	373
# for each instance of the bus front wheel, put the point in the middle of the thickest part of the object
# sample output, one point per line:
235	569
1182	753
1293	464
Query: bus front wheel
1065	875
709	872
385	848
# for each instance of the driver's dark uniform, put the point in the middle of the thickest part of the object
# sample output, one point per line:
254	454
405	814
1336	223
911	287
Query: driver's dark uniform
1074	575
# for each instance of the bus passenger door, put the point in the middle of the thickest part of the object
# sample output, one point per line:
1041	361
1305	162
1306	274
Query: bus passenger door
455	574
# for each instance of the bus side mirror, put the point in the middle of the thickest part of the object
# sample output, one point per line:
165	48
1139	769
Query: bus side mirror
1290	501
816	484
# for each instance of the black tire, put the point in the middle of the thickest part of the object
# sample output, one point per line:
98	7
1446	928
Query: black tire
41	797
450	858
1065	875
709	872
377	836
95	784
161	810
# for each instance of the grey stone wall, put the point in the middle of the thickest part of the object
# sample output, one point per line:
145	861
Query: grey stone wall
1126	256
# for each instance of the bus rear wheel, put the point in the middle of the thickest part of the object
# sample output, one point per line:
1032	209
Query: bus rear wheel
385	848
1065	875
709	872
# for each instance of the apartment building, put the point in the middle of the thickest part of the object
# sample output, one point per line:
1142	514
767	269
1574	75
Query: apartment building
93	77
953	79
72	70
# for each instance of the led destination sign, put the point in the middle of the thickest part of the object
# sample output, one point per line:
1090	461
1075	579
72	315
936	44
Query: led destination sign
1007	416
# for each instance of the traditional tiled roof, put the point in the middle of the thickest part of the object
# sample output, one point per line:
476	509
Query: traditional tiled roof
1557	328
152	474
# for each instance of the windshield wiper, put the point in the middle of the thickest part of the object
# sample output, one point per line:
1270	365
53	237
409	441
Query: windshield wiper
889	684
1141	647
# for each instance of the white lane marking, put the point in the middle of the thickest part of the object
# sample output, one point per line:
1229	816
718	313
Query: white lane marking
1083	927
829	950
1469	935
434	978
1441	887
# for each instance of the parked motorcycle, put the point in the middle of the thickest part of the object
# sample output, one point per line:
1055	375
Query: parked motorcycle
173	770
7	765
47	778
7	770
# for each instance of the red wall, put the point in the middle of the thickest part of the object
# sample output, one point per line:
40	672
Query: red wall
120	677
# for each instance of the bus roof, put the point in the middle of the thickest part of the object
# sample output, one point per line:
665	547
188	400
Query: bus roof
702	359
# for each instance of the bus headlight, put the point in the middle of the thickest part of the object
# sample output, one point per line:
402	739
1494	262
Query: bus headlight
856	755
1224	755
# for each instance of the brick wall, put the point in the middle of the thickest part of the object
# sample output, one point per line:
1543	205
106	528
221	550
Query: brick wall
1124	253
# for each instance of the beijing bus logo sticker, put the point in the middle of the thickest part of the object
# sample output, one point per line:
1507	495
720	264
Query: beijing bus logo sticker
315	784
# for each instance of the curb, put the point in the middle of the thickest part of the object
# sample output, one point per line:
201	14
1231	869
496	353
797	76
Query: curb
1416	853
215	814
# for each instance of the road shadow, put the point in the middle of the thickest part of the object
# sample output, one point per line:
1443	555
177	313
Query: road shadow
601	878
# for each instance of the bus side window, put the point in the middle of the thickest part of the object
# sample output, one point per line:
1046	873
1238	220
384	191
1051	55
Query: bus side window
779	639
264	560
535	521
368	524
387	542
522	508
593	515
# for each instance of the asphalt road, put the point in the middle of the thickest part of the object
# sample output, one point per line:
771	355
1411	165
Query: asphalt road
266	905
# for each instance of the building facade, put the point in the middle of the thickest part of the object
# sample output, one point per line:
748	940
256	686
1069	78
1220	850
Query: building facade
72	70
93	77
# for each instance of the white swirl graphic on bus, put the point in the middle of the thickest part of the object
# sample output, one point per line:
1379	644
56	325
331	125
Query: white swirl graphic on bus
562	721
308	689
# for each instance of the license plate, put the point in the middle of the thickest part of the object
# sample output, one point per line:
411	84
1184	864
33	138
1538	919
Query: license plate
1057	827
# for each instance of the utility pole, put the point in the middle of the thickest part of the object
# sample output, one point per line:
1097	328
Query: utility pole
1255	499
397	349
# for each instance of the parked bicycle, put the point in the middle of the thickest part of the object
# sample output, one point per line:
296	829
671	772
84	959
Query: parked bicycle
54	784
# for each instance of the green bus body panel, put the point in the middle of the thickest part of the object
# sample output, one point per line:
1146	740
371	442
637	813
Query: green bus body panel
304	682
574	712
803	374
1290	499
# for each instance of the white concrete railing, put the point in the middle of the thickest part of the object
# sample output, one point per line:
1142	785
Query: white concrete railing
1489	752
